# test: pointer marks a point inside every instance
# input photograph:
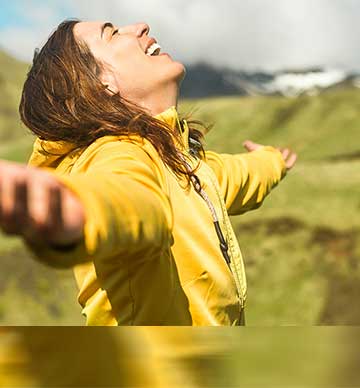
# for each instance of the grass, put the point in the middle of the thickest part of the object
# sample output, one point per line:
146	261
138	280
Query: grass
318	127
12	76
301	248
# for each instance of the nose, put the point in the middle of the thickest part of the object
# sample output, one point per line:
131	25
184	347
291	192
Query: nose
141	29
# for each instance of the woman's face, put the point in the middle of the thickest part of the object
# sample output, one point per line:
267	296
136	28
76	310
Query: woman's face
127	69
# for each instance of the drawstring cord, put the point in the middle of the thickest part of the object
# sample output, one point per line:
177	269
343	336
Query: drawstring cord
223	243
197	186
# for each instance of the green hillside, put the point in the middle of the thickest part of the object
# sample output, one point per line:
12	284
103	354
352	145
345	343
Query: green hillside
301	248
14	138
319	127
26	293
323	130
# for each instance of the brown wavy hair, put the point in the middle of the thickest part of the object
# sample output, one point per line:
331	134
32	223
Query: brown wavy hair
63	99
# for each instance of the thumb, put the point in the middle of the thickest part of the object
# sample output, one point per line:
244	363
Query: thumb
250	146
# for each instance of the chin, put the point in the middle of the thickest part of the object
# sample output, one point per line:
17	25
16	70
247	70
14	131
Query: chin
173	73
181	72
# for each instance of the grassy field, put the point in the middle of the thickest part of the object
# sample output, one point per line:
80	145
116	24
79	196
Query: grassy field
301	248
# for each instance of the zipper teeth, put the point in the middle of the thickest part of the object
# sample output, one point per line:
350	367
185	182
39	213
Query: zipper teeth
232	268
240	292
197	185
196	182
223	243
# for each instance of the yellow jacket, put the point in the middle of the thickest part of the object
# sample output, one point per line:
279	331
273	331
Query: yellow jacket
151	255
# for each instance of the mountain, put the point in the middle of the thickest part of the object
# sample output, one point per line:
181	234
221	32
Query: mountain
204	80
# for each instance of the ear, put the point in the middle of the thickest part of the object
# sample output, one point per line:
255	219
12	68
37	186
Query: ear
108	79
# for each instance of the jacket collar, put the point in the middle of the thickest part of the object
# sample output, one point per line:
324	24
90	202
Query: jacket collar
171	117
49	153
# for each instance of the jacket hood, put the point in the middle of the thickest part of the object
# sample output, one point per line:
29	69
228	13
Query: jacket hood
49	153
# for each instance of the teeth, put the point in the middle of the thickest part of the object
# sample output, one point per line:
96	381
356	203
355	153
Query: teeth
154	49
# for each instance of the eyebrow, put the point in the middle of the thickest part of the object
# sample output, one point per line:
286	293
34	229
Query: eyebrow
105	25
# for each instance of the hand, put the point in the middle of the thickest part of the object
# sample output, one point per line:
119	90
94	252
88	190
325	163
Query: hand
289	156
36	206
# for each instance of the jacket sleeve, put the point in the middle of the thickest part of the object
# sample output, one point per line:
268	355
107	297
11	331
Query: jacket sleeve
246	179
127	211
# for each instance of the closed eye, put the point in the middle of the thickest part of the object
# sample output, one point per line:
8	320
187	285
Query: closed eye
115	32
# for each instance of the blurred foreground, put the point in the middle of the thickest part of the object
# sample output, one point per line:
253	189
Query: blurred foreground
178	357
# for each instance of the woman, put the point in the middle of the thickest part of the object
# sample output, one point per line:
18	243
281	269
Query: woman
120	188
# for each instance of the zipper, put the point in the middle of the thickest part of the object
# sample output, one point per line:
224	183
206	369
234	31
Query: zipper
237	277
224	247
223	243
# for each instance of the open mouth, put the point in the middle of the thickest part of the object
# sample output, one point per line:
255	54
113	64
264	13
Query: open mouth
153	50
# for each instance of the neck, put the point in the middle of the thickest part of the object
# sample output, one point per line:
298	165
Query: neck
161	99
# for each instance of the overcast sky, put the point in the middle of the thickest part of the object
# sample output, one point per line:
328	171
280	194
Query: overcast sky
242	34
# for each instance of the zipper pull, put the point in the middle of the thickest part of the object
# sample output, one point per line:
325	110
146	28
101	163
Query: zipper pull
223	243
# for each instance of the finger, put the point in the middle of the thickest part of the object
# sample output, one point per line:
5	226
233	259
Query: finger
20	214
38	203
247	145
29	225
55	206
285	153
250	146
34	230
7	200
291	161
15	218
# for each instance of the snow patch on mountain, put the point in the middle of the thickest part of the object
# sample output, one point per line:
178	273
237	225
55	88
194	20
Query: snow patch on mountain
293	84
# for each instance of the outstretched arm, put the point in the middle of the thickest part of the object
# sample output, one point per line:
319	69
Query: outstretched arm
246	179
116	207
